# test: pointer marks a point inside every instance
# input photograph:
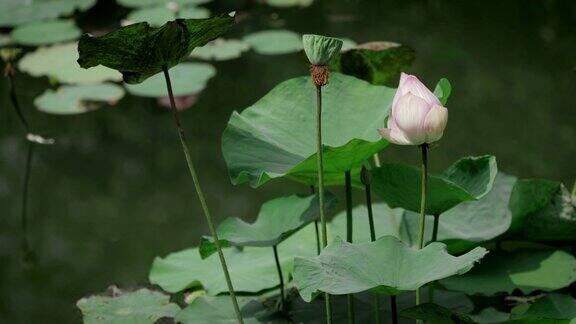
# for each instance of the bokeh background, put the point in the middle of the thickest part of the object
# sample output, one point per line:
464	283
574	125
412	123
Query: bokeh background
114	192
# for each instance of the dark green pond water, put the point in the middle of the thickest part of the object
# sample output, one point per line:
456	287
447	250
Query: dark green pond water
114	192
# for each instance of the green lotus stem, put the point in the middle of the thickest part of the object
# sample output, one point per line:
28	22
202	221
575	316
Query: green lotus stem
349	231
424	185
280	277
316	229
434	239
200	194
377	160
394	307
320	165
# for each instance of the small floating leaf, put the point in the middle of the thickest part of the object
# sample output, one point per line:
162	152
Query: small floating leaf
16	12
468	179
148	3
273	42
140	306
221	49
187	78
502	272
158	16
77	99
46	32
59	62
139	51
289	3
386	265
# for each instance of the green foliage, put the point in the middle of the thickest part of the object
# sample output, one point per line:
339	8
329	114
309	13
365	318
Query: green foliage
221	50
443	90
320	50
278	219
218	310
289	3
158	16
140	306
274	42
468	179
279	130
561	308
17	12
386	265
78	99
148	3
435	314
139	51
45	32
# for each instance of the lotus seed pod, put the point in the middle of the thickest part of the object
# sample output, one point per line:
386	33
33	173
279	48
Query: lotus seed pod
321	49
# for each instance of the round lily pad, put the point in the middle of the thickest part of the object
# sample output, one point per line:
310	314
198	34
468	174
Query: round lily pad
16	12
77	99
46	32
59	62
187	78
148	3
274	41
157	16
221	49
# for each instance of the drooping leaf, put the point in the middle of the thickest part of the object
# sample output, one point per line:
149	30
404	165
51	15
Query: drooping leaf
219	310
280	130
386	265
502	272
376	62
252	269
158	16
59	62
148	3
78	99
468	179
187	78
45	32
221	50
443	90
272	42
277	220
435	314
561	308
139	51
140	306
17	12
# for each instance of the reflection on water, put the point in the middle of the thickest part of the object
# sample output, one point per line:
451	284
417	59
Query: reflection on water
113	192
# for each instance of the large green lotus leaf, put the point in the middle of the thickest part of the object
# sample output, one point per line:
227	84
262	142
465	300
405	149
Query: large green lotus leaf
140	306
187	78
158	16
148	3
376	62
387	221
16	12
386	265
139	51
435	314
219	310
502	272
289	3
274	42
78	99
45	32
561	308
468	179
252	269
221	50
59	62
277	220
276	136
542	211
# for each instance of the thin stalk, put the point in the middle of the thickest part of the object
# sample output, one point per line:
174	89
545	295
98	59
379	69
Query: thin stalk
434	239
320	164
377	159
280	277
200	194
424	185
316	229
349	231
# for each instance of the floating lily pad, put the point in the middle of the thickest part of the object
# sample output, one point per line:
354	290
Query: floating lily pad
221	49
561	308
468	179
376	62
436	314
219	310
527	271
386	265
148	3
46	32
78	99
272	42
277	220
280	130
16	12
252	269
140	306
157	16
289	3
187	78
59	62
140	51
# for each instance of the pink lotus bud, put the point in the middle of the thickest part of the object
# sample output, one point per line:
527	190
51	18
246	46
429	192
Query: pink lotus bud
417	116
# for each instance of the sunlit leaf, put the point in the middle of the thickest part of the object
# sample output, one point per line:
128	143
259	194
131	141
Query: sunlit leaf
280	130
386	265
139	51
16	12
45	32
140	306
221	49
157	16
78	99
274	41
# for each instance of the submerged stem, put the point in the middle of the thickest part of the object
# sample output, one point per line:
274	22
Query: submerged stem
423	189
320	165
366	181
280	277
349	231
200	195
